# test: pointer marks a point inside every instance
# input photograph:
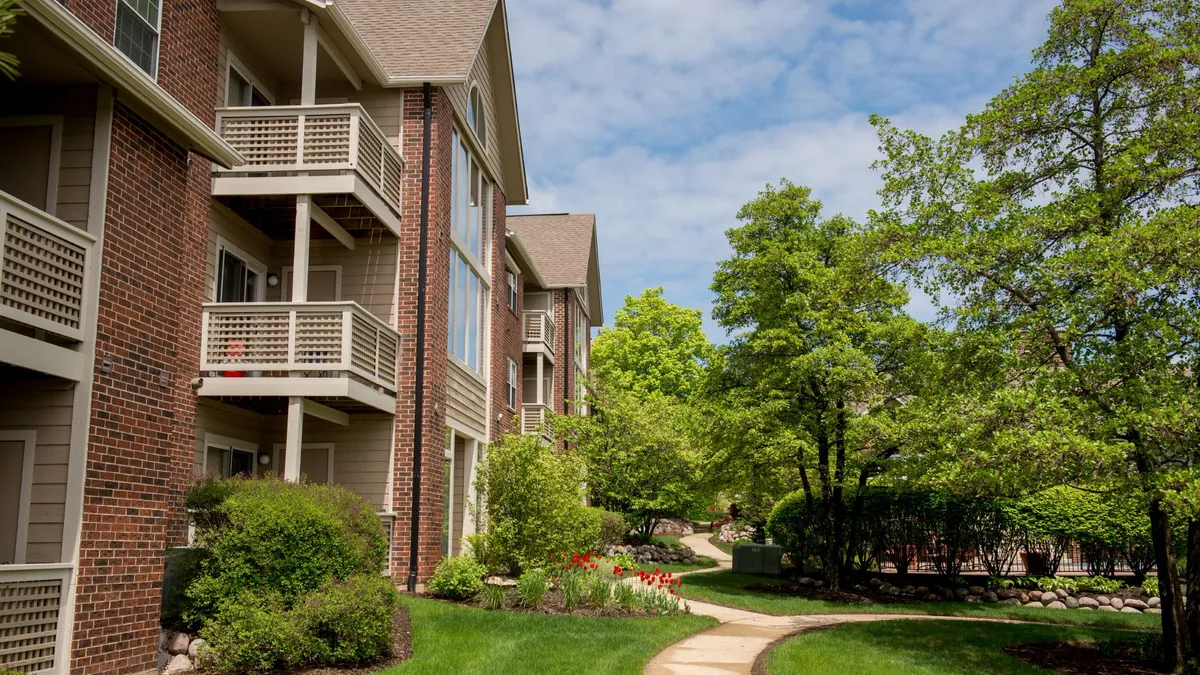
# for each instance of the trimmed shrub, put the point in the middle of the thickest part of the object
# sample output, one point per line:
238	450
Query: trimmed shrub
253	633
286	539
457	578
613	528
348	622
534	498
792	527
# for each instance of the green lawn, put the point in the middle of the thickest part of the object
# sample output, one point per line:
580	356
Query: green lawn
705	563
919	648
725	588
456	639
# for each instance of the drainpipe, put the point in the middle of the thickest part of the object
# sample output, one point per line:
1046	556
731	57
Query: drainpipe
567	334
419	395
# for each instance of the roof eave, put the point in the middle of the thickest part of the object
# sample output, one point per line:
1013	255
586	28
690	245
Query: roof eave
516	181
527	259
148	99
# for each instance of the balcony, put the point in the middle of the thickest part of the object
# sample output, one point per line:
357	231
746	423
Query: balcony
336	351
533	419
539	332
315	150
33	616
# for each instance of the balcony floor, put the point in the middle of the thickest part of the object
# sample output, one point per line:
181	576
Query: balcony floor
269	395
275	215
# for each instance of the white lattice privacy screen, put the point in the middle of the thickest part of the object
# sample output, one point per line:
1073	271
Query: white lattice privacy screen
29	624
43	270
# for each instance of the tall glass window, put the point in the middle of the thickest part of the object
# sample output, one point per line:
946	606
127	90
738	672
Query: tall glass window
469	216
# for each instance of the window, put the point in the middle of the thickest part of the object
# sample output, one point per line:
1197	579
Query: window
239	277
469	197
476	116
240	91
136	36
229	457
512	291
512	384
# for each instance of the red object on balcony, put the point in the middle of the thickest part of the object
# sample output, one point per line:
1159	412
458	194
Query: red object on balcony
235	350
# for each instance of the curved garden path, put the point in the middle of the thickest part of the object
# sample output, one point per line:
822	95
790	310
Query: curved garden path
734	645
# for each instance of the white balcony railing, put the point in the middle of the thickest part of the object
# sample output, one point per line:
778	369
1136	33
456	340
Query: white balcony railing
539	329
533	419
316	138
311	337
43	269
33	611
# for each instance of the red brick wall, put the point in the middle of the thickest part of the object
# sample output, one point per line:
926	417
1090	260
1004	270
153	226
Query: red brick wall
188	47
506	340
140	443
436	315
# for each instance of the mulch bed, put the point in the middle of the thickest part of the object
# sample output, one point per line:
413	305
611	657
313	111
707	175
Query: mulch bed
401	651
1114	658
792	589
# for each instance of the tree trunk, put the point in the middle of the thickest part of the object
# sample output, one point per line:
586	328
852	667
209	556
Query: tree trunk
1192	609
1175	643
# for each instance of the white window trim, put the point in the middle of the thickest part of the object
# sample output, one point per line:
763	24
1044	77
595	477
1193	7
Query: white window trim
514	376
514	294
153	74
278	449
286	281
234	63
55	122
212	440
481	143
29	440
253	263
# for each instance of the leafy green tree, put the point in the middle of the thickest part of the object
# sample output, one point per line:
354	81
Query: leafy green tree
8	20
652	346
640	460
821	346
1073	258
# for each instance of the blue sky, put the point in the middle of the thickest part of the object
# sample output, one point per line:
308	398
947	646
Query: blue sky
663	117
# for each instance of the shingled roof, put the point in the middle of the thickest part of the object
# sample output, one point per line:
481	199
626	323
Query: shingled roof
422	39
563	247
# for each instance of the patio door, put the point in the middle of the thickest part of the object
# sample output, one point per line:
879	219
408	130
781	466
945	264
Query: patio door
37	141
316	461
16	476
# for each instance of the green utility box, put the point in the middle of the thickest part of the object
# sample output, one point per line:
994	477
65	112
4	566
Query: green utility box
764	559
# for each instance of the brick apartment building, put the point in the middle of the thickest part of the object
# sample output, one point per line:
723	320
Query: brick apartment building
218	216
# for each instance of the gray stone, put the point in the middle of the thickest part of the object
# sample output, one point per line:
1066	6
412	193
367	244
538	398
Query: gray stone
1056	605
178	643
194	649
921	590
1154	602
1006	593
1117	603
876	582
1061	593
500	581
909	589
1103	599
1136	604
1089	603
976	590
1011	601
806	581
179	663
818	583
1048	598
989	596
973	598
861	588
1105	608
1070	602
1035	595
1088	609
931	597
961	593
892	590
947	594
1034	604
1154	610
1130	610
1024	597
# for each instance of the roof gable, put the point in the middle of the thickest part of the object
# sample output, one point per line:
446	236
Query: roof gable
422	40
563	247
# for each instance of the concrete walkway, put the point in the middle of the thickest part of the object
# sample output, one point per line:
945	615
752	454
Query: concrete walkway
733	646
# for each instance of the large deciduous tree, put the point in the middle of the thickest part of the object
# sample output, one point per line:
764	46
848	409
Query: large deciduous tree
652	346
820	348
1076	250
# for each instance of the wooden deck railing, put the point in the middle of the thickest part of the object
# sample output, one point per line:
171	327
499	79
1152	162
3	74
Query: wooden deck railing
539	329
33	611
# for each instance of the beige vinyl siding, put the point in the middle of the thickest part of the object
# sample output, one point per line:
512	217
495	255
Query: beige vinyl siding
481	76
43	405
257	71
368	272
385	107
466	399
227	225
361	451
213	417
77	107
460	494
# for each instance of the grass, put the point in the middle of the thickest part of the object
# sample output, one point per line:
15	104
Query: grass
451	638
675	568
725	588
919	648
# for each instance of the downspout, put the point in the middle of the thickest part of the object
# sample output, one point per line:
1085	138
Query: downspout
419	395
568	347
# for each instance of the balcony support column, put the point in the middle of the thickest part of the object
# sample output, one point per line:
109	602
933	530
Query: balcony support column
540	385
308	73
295	439
300	255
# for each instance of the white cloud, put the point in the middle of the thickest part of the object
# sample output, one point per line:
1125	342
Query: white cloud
665	116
